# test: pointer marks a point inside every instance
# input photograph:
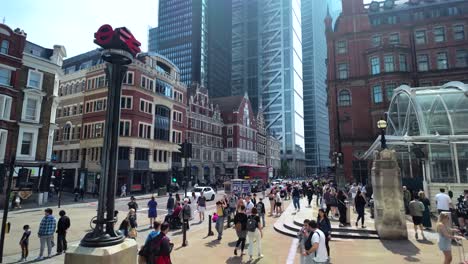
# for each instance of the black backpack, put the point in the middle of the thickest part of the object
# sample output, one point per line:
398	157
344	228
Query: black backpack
251	224
308	242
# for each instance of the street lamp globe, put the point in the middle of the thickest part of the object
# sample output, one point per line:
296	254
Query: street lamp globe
382	124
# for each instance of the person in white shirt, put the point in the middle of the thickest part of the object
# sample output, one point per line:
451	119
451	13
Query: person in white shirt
443	201
248	205
317	253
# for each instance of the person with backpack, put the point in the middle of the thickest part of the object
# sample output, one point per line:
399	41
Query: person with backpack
186	213
161	247
315	248
240	224
261	210
254	229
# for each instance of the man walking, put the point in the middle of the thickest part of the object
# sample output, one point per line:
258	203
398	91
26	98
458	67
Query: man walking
416	209
248	205
170	204
443	201
201	207
309	192
296	196
46	233
62	227
315	247
406	199
123	190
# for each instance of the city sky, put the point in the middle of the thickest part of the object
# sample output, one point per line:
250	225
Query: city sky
72	23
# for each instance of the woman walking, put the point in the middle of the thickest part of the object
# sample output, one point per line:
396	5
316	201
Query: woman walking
240	224
427	223
360	203
334	202
152	211
132	220
254	228
445	237
341	199
324	224
177	198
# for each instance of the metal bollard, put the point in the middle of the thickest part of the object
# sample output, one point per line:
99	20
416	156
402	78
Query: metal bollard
184	234
210	232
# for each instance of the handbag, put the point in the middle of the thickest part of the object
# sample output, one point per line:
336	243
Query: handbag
133	233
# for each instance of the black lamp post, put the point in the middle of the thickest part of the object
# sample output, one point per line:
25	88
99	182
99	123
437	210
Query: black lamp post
382	125
120	47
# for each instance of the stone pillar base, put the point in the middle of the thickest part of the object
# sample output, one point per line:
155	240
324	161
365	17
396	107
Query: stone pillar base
124	253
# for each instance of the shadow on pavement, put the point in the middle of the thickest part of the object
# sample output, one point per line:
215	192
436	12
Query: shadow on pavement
234	260
425	241
213	243
405	248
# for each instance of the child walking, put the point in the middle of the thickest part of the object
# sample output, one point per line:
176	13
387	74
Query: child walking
24	242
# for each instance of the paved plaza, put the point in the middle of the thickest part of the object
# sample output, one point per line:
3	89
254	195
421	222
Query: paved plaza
277	248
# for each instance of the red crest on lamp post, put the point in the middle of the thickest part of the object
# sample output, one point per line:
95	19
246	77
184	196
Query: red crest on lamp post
119	38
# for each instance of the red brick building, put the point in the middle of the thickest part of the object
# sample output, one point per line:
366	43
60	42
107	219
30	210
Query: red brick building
377	47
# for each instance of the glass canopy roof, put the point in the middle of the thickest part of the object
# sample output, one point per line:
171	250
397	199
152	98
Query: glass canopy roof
429	111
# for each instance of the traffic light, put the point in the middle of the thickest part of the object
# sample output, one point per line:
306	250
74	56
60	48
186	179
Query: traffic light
182	149
185	150
174	179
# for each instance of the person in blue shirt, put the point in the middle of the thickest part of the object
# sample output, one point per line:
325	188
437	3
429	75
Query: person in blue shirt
155	232
152	210
46	233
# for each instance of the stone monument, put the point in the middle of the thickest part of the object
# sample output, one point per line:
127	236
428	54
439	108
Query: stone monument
390	220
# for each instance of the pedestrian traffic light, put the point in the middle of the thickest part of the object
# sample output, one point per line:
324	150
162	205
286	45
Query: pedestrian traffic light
174	179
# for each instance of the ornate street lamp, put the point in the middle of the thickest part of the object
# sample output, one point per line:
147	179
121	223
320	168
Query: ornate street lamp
382	125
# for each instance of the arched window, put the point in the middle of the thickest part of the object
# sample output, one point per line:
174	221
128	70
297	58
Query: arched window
344	98
66	132
162	123
5	46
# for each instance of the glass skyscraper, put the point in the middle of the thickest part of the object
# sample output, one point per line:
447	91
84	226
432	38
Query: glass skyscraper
192	34
314	47
267	64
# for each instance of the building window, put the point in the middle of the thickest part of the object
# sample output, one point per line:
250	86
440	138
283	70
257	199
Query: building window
124	153
146	106
342	47
462	58
418	15
141	154
391	20
164	88
439	34
66	132
177	116
35	79
420	36
128	78
442	63
126	102
403	63
453	11
389	88
125	128
144	131
5	77
459	32
343	71
5	107
423	62
229	143
375	65
389	63
31	109
344	98
229	130
26	144
147	83
394	38
377	94
3	143
162	123
376	40
5	46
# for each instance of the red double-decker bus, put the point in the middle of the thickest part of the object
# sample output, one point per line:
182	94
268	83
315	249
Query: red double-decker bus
253	172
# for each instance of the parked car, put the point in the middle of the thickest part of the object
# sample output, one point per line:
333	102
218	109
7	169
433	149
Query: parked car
208	192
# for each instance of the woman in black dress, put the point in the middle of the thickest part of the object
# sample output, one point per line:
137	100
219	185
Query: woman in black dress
427	223
341	199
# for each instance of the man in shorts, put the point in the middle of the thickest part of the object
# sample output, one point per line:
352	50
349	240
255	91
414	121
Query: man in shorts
201	207
416	209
